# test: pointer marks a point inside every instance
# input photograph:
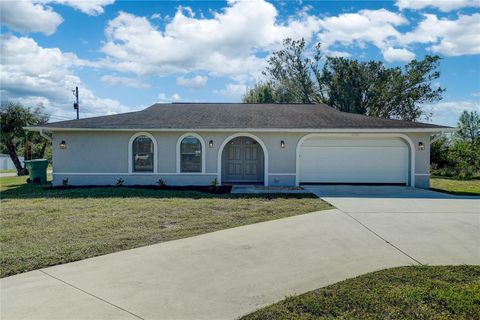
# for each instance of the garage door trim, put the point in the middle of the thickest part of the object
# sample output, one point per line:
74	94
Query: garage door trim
357	135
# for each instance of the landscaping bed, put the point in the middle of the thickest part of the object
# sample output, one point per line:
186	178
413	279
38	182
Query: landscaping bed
416	292
206	189
43	226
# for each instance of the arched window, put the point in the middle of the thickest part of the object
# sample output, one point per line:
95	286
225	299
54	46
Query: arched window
191	155
143	154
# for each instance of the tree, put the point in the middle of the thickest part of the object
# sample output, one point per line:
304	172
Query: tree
349	85
439	152
13	118
290	72
464	159
469	127
458	156
371	88
260	93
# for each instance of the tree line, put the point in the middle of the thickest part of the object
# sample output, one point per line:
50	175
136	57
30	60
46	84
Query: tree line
294	75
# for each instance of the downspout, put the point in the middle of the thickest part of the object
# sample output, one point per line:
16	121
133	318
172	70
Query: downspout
46	136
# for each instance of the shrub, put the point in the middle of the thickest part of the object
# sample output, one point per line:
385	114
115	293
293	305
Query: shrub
438	153
120	182
464	158
458	159
161	183
214	185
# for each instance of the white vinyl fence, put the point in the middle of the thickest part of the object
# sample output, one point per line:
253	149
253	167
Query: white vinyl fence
6	163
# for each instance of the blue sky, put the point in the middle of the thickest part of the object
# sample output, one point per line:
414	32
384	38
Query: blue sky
127	55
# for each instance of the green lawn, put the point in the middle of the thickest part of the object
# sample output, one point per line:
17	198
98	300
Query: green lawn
15	170
417	292
42	227
460	187
8	170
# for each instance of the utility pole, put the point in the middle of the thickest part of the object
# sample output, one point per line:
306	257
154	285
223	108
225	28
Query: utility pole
76	105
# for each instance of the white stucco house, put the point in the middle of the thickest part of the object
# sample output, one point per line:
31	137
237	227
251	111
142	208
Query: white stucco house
269	144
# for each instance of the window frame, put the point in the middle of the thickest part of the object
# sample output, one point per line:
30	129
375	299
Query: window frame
130	154
179	155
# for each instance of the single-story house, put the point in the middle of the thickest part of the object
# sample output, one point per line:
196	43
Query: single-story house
270	144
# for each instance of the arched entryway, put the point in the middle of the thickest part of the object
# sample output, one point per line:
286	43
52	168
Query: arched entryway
242	160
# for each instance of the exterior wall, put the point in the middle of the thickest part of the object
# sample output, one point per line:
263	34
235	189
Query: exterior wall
422	160
101	158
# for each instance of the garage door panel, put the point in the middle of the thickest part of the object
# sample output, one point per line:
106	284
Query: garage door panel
354	161
339	142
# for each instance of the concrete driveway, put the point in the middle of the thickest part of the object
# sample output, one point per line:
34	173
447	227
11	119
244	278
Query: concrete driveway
431	227
226	274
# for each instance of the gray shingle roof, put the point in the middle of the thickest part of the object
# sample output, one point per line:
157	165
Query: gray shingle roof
238	116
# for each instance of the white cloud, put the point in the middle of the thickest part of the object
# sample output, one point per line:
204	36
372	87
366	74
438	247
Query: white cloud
232	91
90	7
25	16
37	16
443	5
223	45
449	37
49	80
335	53
196	82
393	54
188	10
157	16
163	98
379	27
124	81
366	26
447	113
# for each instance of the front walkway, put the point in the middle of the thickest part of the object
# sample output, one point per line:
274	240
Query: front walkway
226	274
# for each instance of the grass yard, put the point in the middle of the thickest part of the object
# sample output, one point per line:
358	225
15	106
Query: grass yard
42	227
8	170
417	292
15	170
459	187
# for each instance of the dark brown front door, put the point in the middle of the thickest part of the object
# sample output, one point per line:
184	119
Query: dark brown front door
242	161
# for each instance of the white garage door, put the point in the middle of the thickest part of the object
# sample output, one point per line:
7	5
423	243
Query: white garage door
353	160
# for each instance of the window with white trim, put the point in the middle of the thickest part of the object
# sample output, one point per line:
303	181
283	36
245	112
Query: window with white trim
190	155
143	153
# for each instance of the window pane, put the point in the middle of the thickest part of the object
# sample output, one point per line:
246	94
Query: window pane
142	154
190	155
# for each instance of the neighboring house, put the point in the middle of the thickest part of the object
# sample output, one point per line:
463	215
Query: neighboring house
6	162
270	144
